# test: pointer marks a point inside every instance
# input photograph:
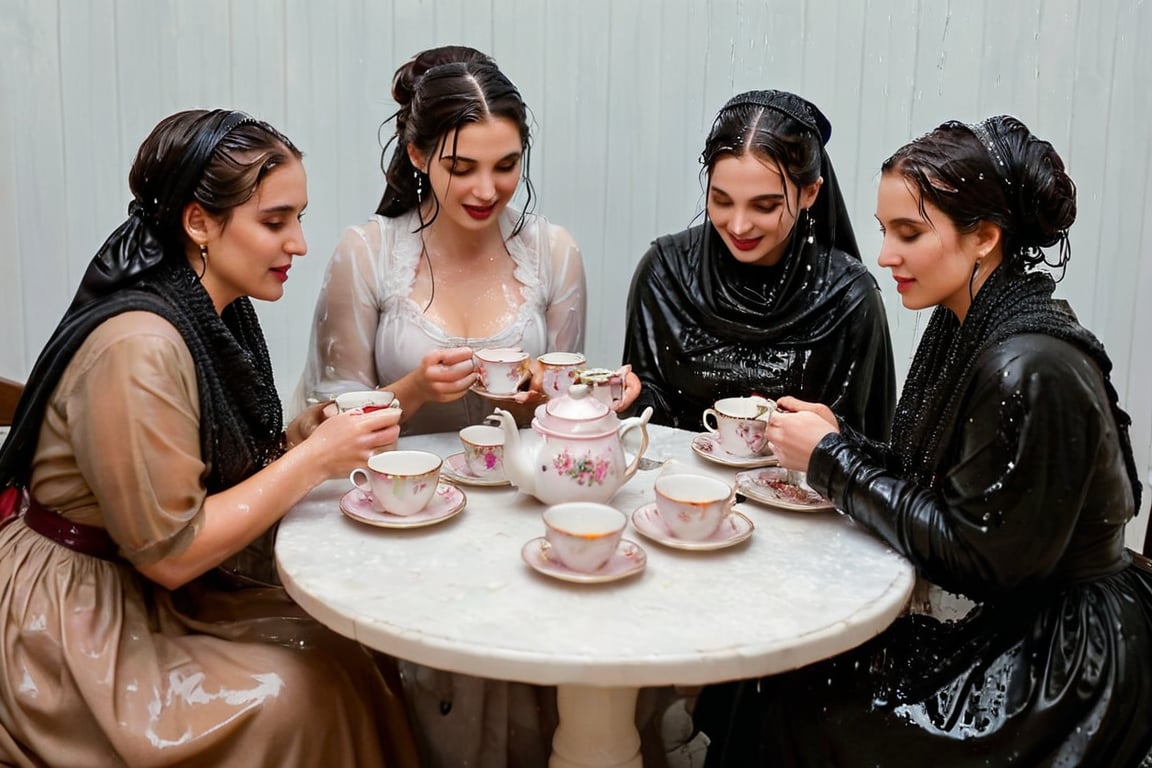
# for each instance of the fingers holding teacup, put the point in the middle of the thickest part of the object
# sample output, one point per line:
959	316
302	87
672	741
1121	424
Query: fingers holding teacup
448	373
793	436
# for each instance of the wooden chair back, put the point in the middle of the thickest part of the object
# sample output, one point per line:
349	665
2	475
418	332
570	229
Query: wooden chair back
10	392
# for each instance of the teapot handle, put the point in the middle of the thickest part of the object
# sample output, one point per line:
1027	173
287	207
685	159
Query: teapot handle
636	421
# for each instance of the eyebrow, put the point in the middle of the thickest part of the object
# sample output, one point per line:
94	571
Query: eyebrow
770	196
898	222
286	208
457	159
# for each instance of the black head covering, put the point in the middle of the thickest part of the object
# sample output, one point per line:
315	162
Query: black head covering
830	215
787	303
135	269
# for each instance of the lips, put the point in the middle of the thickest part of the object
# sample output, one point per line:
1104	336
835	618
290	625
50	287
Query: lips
903	283
742	244
281	272
480	212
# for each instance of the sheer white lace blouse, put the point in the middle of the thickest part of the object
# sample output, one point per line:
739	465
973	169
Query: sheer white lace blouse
367	332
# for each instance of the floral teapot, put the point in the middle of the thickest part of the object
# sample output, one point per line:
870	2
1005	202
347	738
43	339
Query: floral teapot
578	451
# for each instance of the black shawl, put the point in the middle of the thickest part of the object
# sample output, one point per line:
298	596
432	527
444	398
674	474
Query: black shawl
702	325
1008	304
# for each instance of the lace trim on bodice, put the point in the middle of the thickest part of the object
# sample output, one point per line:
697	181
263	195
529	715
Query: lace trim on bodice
398	256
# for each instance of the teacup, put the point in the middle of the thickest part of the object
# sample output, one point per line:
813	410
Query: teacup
558	371
607	386
484	451
740	423
501	370
583	535
693	506
367	400
399	482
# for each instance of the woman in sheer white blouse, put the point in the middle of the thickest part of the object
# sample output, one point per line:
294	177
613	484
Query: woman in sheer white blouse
446	266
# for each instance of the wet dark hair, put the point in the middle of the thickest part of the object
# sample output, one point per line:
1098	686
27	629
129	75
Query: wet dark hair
439	91
163	183
996	171
777	127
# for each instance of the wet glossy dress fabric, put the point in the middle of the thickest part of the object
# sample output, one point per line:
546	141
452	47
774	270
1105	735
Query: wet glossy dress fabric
702	326
368	332
1023	510
102	667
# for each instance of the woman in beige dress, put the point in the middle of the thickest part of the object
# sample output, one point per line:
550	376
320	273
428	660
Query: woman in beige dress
142	481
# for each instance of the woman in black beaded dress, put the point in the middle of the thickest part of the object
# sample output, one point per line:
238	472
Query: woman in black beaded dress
1009	478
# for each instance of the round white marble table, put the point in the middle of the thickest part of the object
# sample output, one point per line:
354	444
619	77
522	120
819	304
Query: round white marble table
457	596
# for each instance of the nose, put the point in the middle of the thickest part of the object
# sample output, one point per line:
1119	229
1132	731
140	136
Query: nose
296	244
888	257
485	187
739	224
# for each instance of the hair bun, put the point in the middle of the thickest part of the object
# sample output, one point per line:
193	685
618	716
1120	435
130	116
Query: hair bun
407	78
1043	196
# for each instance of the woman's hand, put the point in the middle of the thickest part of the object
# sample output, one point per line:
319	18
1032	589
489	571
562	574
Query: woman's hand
631	388
795	428
344	441
305	424
446	374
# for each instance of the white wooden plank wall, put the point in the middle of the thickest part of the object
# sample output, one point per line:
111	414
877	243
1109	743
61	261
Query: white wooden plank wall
622	92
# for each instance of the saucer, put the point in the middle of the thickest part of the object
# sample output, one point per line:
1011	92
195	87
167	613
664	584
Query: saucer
770	486
629	559
707	446
447	502
492	395
456	470
735	529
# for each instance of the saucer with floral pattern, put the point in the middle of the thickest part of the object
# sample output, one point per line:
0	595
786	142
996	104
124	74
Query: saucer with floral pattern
446	503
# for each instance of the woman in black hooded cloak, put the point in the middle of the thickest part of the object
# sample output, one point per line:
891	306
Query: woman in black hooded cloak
768	295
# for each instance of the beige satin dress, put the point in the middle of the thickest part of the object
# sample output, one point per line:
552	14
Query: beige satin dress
101	667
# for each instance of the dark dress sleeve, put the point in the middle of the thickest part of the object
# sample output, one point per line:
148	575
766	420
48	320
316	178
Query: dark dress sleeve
645	329
1014	476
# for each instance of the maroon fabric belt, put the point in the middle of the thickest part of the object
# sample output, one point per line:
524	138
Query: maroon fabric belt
86	539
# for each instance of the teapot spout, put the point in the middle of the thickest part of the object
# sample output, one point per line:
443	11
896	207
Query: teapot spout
517	462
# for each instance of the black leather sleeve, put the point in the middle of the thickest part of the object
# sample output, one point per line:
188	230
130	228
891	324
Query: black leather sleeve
1015	472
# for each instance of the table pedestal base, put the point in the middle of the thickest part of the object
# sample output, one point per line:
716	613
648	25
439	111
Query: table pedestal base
597	728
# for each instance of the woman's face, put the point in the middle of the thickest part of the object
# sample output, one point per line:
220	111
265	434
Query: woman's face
474	173
250	254
754	207
931	260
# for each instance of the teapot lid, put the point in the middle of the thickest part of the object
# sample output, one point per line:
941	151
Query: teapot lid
577	406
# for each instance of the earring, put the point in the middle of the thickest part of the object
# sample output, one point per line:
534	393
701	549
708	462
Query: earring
811	236
419	186
972	280
203	261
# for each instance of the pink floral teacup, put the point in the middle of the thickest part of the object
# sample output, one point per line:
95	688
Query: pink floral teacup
693	506
583	535
501	370
558	371
484	451
740	423
399	482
